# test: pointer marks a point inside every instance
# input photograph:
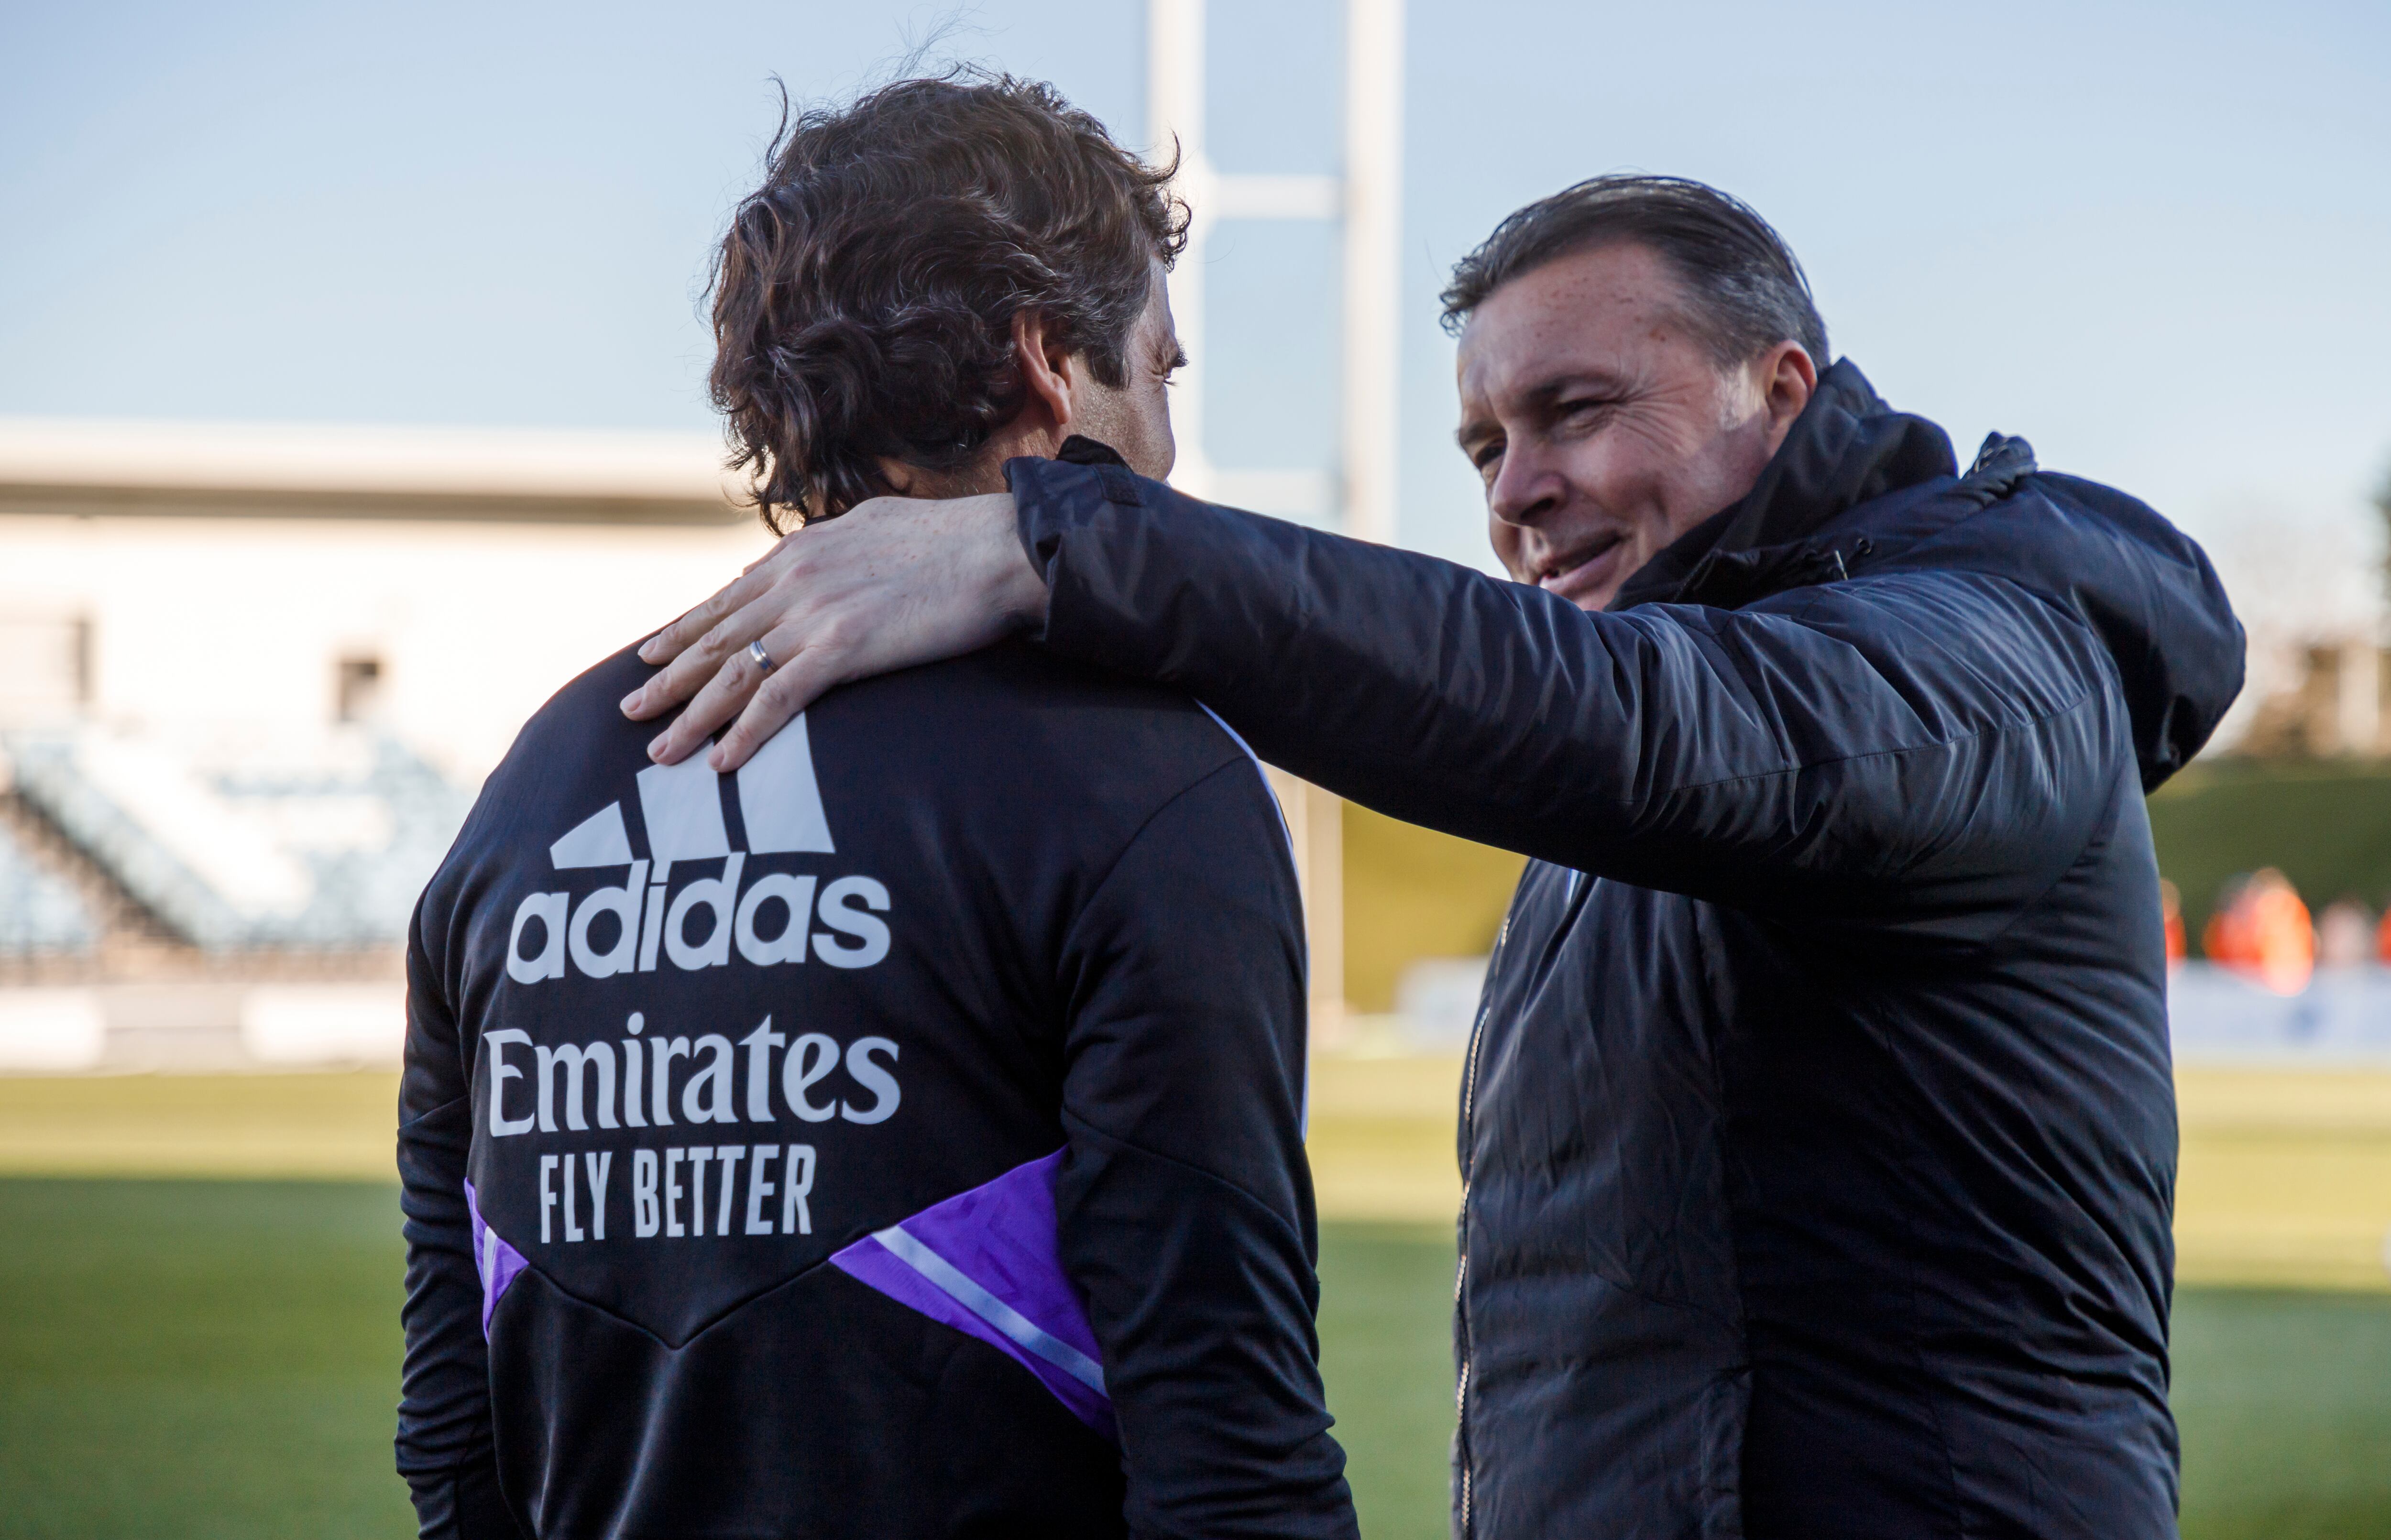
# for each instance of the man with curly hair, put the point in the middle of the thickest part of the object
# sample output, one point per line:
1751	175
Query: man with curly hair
901	1136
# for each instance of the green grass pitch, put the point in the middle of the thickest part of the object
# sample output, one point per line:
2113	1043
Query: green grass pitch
219	1359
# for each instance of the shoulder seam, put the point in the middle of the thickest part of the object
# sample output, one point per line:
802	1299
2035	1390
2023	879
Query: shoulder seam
1237	738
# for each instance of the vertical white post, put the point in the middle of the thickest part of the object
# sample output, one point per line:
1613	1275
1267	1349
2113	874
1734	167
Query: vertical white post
2360	690
1174	96
1315	826
1369	200
1374	158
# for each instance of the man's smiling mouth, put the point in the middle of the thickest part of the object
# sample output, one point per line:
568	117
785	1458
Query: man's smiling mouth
1556	573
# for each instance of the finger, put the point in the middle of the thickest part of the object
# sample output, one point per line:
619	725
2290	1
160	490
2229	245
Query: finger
669	642
789	690
735	596
720	701
702	660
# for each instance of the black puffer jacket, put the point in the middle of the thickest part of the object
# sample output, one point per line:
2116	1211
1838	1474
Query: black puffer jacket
1818	1131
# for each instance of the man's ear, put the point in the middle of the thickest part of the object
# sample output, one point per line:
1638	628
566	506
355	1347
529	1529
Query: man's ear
1786	377
1048	377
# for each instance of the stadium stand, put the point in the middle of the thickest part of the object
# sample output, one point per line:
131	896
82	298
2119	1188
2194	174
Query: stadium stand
315	847
40	914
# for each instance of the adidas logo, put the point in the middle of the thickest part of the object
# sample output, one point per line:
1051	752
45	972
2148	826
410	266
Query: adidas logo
633	927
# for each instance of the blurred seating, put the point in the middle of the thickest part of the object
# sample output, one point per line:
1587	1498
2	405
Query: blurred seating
318	846
40	913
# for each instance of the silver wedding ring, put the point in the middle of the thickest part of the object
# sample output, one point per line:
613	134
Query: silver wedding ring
763	659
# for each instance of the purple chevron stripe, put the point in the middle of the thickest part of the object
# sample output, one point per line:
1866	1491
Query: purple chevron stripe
496	1260
985	1263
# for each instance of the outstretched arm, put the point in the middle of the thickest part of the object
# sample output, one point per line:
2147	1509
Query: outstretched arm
1919	752
1928	749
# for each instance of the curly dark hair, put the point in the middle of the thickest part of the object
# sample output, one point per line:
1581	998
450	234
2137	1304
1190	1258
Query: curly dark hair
1749	292
865	295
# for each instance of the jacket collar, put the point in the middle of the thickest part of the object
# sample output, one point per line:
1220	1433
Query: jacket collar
1846	448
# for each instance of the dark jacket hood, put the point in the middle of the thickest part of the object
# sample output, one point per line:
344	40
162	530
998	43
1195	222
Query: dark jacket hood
1859	488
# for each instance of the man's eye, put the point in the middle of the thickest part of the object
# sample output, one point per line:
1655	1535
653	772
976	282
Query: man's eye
1485	455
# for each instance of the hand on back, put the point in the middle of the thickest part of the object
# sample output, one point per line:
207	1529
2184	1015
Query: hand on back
893	583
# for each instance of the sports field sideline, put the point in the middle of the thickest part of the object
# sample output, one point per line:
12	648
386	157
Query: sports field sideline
2286	1175
199	1297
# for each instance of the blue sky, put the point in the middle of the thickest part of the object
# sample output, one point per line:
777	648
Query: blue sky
2154	239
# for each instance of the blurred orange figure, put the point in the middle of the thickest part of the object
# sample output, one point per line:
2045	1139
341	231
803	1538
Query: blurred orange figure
2262	929
2171	908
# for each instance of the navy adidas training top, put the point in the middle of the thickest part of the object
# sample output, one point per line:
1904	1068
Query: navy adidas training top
898	1137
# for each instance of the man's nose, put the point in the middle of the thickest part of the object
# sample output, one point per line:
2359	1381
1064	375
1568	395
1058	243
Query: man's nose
1525	490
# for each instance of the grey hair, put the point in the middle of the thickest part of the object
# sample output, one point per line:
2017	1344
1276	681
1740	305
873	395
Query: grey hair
1748	290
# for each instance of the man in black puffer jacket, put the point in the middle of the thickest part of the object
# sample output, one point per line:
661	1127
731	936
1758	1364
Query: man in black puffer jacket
1817	1131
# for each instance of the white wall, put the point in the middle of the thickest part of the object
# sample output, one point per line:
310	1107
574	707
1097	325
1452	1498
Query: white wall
237	623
